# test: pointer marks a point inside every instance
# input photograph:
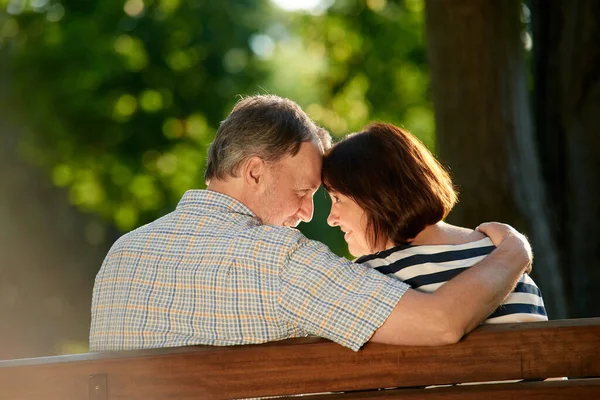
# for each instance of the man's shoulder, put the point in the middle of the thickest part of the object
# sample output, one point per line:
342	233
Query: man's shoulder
277	239
138	235
233	230
279	233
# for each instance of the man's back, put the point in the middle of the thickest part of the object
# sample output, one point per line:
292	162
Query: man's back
187	277
211	273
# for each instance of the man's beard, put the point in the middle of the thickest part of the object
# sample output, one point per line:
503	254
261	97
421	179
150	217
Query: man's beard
270	218
270	213
291	222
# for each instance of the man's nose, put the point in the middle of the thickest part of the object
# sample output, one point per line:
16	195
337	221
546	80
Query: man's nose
332	219
306	209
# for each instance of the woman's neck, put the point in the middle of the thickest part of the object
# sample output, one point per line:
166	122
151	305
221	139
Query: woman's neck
432	234
443	233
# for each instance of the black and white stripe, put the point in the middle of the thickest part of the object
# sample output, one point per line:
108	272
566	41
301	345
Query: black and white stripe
426	268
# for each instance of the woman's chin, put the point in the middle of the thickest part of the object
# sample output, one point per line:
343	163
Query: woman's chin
354	252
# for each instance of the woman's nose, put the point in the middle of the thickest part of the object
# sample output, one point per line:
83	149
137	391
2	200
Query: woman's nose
332	219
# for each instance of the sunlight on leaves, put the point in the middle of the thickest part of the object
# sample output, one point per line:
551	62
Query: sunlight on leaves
133	52
126	217
151	100
62	175
169	6
173	128
134	8
124	107
196	128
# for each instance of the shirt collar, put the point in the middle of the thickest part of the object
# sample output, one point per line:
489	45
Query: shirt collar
215	201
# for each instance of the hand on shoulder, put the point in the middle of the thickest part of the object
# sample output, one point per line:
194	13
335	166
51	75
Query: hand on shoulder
507	236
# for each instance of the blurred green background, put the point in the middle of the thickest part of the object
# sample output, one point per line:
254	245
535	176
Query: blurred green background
107	109
122	99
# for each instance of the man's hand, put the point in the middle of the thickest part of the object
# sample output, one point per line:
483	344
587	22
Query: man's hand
505	235
462	303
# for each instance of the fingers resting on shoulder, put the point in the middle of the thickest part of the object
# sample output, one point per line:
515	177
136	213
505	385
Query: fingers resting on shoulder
506	235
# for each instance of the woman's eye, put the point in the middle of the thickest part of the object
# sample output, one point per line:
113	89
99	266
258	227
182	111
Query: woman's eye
336	199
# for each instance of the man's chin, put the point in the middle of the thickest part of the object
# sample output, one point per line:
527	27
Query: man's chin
292	223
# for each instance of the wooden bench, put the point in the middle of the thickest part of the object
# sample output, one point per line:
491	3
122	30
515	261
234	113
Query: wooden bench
530	351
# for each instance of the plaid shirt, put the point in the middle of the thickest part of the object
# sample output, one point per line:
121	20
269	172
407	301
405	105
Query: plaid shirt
211	273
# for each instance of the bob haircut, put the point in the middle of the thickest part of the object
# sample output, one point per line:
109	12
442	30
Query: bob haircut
394	178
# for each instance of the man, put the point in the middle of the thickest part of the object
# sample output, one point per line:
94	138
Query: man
226	267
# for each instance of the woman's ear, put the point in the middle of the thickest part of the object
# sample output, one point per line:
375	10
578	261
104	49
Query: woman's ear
254	171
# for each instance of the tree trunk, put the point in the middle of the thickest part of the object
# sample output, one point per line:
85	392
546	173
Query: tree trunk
567	105
484	127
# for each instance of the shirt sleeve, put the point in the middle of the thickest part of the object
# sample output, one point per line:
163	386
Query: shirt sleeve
331	297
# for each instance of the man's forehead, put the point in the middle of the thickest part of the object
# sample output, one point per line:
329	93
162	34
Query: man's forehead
301	178
311	174
308	177
305	166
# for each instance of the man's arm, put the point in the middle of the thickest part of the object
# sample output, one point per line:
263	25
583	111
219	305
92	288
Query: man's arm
460	305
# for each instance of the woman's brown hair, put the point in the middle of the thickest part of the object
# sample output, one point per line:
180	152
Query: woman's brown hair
394	178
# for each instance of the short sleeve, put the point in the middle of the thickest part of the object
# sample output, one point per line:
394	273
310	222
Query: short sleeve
331	297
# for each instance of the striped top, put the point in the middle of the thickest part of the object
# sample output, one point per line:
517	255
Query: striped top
428	267
211	273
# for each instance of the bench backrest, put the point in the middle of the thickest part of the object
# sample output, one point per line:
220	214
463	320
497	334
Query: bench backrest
531	351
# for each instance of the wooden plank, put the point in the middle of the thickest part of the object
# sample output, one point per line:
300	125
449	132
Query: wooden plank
565	390
98	387
312	365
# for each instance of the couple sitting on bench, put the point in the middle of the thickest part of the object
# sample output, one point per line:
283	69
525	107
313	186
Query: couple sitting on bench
227	267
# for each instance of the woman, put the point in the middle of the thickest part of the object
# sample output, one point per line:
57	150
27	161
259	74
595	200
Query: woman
389	197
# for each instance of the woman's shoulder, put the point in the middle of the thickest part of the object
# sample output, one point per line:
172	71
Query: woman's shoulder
447	234
473	236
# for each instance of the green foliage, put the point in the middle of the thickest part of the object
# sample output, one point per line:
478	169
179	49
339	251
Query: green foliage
360	61
122	97
374	65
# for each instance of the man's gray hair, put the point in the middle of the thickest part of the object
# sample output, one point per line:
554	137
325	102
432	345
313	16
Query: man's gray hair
266	126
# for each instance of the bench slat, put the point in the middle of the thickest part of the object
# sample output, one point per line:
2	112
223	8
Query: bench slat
312	365
564	390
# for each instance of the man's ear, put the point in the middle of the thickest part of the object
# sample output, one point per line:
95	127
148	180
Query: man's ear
254	171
